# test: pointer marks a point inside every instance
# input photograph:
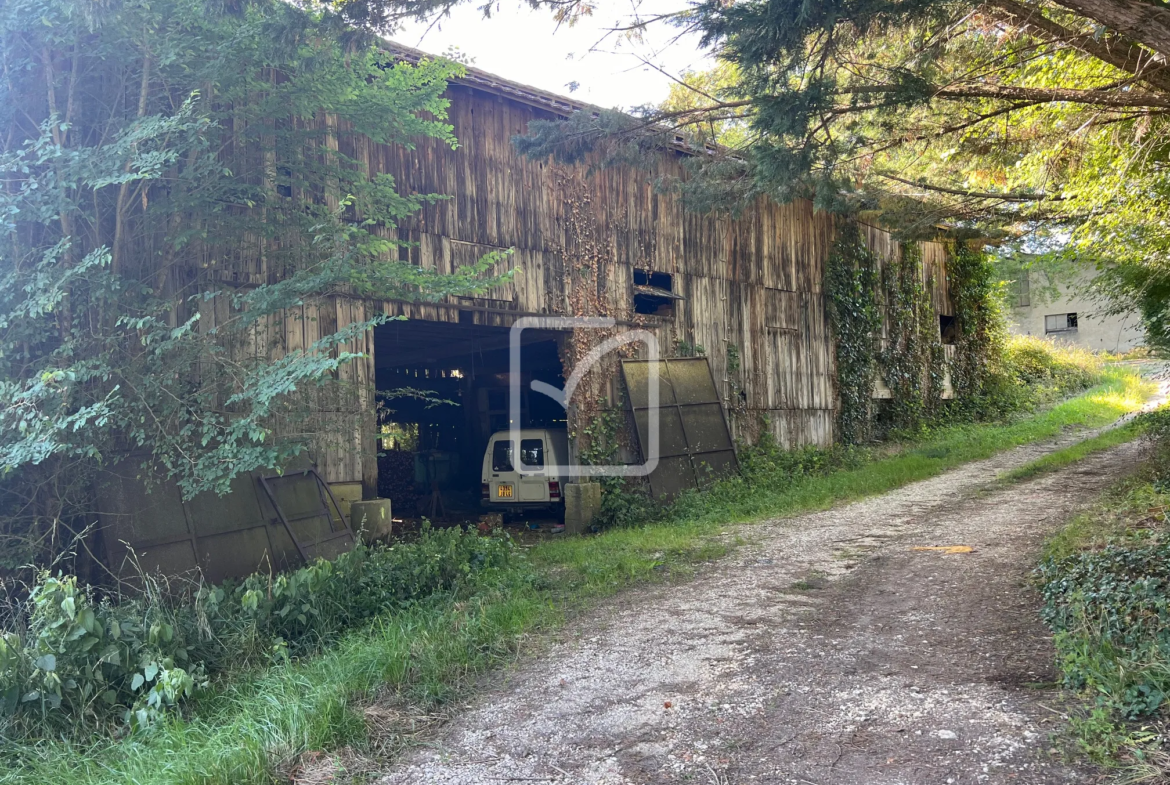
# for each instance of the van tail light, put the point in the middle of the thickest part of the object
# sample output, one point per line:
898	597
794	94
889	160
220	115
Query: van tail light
554	490
485	491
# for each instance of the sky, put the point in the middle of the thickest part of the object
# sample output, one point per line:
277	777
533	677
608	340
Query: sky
526	46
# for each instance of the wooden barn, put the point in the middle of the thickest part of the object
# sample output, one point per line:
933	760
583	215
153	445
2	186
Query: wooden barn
746	293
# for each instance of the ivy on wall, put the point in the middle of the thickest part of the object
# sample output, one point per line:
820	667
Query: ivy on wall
911	359
862	292
971	276
851	289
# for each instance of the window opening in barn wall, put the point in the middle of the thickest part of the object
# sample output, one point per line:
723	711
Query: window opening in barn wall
948	329
1058	323
654	293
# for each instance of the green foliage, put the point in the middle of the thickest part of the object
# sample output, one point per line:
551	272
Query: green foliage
851	293
1105	581
970	282
1111	613
624	501
177	178
80	659
862	291
911	359
1031	371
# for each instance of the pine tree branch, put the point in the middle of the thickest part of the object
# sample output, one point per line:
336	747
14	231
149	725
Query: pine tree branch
1004	197
1032	94
1114	50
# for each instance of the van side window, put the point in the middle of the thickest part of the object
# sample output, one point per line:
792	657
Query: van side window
502	456
532	453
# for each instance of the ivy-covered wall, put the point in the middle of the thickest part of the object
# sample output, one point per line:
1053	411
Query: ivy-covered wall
885	318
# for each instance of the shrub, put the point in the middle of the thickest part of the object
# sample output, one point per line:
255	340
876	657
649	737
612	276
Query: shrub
1049	367
1110	608
81	659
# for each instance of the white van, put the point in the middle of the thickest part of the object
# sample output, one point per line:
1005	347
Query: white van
506	489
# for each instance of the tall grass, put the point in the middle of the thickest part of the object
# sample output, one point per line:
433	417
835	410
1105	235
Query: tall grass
253	725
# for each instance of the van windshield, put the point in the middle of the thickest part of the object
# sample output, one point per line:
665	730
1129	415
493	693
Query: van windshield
532	453
502	456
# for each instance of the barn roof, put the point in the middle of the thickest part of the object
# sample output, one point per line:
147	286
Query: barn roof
482	80
533	96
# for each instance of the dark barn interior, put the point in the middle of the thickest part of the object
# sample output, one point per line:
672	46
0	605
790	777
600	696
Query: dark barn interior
443	391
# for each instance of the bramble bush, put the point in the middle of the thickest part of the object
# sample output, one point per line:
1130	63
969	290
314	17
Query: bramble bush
1110	608
81	659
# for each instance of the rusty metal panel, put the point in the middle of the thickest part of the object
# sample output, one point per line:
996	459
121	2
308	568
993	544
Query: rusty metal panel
695	445
148	528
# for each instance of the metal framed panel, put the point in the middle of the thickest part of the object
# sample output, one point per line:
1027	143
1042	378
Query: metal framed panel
265	522
695	444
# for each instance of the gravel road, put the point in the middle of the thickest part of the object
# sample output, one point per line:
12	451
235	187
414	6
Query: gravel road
827	652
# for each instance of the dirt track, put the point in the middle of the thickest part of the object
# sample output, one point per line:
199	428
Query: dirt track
829	652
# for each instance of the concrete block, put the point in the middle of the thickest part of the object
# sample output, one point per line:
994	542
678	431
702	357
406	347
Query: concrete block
582	503
371	518
346	493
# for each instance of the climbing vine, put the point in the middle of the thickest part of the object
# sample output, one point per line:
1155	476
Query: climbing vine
907	355
971	277
911	360
851	289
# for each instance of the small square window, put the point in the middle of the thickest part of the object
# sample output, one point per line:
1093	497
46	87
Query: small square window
1060	323
654	293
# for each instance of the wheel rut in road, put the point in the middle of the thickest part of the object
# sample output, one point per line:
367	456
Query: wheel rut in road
827	651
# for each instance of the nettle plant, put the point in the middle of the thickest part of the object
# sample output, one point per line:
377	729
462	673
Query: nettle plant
149	152
80	658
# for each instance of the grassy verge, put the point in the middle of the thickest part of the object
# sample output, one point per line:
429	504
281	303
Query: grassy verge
599	565
252	728
1105	579
1066	456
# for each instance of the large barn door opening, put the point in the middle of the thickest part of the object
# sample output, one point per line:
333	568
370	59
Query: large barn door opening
444	392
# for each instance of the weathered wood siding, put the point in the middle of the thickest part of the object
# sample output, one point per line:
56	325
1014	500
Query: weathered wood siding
752	284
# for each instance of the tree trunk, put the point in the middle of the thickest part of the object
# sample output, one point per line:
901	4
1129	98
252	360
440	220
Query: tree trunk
1119	52
1145	22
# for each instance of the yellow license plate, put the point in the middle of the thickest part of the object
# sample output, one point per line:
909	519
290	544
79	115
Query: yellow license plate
503	491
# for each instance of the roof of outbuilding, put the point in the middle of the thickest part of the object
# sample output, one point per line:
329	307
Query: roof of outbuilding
482	80
533	96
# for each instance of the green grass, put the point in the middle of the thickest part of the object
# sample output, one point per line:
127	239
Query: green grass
1065	456
257	723
593	566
